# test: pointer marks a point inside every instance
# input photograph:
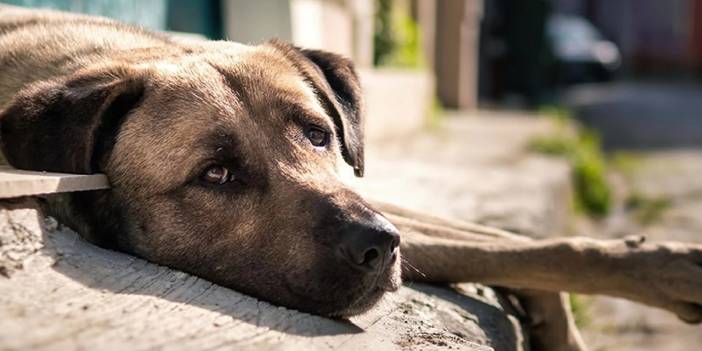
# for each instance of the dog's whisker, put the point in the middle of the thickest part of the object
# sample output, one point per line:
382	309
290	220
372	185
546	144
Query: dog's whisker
406	263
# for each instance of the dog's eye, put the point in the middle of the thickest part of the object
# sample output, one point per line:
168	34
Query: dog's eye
217	175
317	137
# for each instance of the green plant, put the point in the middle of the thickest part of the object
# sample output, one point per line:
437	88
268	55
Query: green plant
583	151
397	36
383	37
626	163
647	209
579	305
435	113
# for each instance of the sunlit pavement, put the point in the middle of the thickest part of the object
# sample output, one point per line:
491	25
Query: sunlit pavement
474	166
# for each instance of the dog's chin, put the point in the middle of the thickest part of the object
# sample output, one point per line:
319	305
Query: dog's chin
356	302
389	282
362	305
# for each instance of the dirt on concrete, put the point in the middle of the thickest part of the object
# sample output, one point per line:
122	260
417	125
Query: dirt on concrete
19	239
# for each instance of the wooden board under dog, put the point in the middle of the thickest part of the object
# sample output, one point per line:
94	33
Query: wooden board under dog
16	183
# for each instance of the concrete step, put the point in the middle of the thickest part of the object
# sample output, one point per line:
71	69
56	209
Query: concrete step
61	293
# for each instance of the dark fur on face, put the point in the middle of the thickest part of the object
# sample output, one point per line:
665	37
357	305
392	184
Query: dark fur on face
154	120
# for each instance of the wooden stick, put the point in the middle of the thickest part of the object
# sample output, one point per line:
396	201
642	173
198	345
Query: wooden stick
15	182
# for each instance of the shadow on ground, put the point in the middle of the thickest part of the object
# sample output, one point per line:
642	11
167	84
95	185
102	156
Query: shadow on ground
119	273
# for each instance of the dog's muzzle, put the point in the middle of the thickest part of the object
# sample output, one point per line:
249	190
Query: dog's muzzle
369	245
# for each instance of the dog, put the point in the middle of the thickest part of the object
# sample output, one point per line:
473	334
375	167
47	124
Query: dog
223	161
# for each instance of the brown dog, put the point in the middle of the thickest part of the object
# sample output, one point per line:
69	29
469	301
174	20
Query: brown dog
223	163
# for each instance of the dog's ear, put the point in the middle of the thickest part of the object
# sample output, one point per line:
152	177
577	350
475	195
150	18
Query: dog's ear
68	125
336	83
344	91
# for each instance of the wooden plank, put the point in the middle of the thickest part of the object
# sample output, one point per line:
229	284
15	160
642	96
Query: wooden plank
15	182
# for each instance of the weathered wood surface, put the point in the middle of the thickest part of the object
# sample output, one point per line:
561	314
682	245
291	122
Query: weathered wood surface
15	183
63	293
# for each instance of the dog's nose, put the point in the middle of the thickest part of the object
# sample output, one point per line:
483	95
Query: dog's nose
369	245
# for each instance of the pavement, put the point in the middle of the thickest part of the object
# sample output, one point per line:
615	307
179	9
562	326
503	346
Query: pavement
474	166
641	115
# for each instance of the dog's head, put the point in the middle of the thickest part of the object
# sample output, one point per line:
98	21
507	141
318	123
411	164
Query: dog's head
223	163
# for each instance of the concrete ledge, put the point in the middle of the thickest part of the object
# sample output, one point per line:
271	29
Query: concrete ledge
70	295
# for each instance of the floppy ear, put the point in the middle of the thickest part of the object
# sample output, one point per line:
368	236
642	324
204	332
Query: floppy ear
68	125
336	82
346	91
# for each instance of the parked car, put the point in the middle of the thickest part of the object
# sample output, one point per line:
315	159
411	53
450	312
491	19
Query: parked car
581	52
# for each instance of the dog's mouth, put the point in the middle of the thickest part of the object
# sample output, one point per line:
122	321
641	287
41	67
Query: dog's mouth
362	304
387	281
344	303
366	300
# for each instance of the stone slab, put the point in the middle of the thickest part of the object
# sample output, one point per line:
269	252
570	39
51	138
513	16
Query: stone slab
70	295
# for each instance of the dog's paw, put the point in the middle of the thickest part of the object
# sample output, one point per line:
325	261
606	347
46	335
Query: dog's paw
665	275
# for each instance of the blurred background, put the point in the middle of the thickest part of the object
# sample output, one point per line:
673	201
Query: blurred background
545	117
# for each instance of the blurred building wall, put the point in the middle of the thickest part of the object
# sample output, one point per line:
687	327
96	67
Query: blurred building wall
515	57
256	21
455	55
342	26
424	12
146	13
202	17
654	36
323	24
697	36
450	34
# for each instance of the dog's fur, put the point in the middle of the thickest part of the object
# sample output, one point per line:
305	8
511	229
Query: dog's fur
84	95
